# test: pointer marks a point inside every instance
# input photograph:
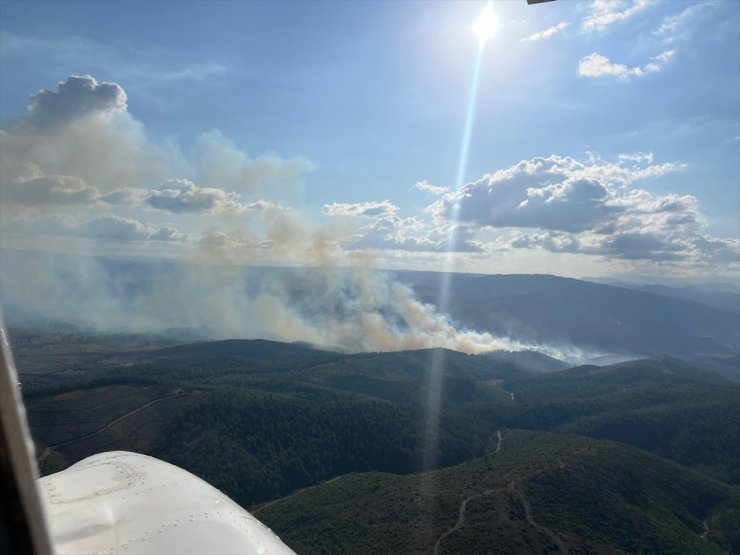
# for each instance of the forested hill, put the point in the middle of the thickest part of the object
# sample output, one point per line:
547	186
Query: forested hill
598	317
539	493
292	415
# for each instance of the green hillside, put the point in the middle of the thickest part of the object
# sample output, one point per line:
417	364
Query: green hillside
261	420
661	405
541	493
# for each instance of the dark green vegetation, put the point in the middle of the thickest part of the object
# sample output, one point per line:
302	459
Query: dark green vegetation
663	405
541	493
260	420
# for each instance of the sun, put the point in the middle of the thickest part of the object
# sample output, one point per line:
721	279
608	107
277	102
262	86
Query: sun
487	23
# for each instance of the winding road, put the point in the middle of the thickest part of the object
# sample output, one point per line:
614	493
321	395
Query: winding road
461	512
524	501
539	527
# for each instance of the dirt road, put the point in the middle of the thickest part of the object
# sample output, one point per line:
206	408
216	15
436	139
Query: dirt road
461	511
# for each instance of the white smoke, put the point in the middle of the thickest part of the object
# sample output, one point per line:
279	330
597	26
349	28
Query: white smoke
346	309
78	150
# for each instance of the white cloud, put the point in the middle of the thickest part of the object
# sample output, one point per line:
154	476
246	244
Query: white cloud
636	157
107	227
366	209
115	228
557	193
80	133
395	233
604	13
182	196
560	205
563	206
580	208
126	196
672	23
659	61
596	65
78	149
26	184
83	130
431	189
77	97
546	33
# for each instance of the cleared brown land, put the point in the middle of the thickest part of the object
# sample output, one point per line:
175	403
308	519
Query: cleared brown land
71	426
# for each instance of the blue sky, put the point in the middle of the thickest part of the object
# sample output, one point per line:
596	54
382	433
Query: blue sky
606	139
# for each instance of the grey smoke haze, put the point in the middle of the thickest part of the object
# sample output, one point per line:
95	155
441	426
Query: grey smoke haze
350	309
81	172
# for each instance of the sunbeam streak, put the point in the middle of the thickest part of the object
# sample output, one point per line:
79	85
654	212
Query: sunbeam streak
484	29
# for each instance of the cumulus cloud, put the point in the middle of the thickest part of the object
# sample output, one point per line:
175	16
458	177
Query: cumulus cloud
596	65
126	196
561	205
572	204
394	233
167	233
77	97
107	227
603	13
366	209
182	196
115	228
578	205
546	33
598	215
83	131
557	193
104	147
644	245
26	184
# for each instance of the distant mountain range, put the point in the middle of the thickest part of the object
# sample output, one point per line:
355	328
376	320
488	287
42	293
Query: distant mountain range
574	319
594	317
719	295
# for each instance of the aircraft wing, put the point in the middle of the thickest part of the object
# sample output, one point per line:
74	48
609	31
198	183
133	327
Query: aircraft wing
125	503
111	503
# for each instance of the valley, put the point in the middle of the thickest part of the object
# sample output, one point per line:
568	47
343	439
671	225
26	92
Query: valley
326	447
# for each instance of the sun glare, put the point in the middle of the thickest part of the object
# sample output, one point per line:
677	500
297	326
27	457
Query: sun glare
486	25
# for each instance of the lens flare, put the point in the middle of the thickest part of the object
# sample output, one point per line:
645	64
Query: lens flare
485	26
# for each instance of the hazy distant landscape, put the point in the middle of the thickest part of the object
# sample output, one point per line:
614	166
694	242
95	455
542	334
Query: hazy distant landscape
263	419
574	320
568	387
397	277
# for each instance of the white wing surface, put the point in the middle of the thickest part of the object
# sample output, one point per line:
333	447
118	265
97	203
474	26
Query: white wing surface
125	503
